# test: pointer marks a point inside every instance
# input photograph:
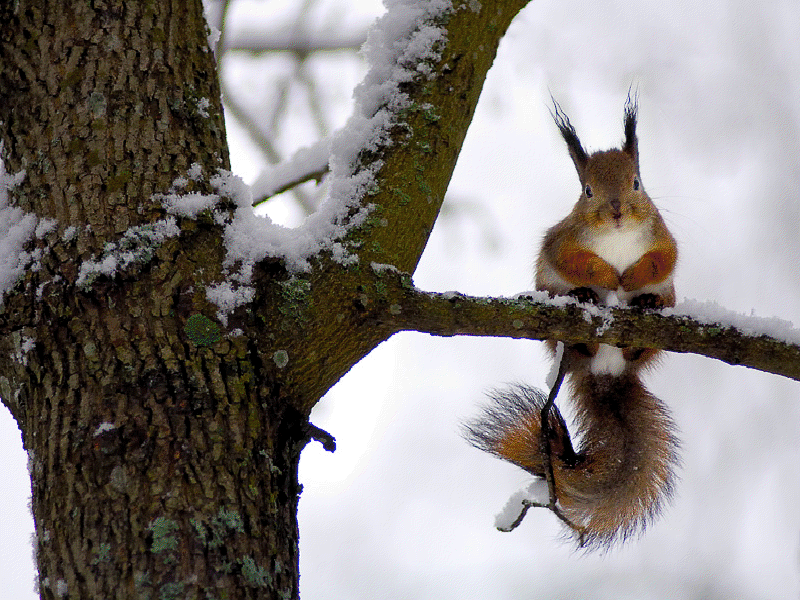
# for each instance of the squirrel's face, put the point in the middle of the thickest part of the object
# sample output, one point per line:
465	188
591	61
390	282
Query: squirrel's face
612	195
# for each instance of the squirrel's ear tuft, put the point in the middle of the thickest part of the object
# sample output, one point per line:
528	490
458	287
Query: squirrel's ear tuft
576	151
631	146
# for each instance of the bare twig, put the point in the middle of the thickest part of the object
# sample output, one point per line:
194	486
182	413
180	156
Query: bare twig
238	112
552	504
546	452
290	183
526	504
261	130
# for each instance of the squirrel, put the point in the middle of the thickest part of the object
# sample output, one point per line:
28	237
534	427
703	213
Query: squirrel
612	249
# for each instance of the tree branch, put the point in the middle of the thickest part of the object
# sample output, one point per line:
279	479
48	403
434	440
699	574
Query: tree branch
436	71
758	343
257	42
306	164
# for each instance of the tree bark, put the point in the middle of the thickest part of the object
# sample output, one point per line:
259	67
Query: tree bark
163	462
164	442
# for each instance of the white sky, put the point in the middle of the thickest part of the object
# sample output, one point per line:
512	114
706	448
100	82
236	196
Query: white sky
404	508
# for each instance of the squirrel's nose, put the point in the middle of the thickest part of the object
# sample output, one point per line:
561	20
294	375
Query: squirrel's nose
615	204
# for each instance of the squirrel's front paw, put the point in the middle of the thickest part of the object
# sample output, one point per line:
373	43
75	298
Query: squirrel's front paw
584	294
647	301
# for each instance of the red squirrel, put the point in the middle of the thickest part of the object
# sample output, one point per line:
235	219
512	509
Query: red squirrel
612	249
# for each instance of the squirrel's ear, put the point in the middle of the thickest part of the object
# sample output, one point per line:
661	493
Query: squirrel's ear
631	145
576	151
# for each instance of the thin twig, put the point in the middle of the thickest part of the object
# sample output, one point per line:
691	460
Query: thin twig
552	505
526	504
545	430
287	185
546	452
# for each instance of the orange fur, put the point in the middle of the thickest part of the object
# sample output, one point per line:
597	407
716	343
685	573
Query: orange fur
653	267
584	268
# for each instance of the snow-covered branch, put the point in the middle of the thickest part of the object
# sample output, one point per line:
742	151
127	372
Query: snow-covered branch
766	344
390	165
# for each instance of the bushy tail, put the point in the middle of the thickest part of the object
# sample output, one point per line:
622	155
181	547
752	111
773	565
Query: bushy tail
623	472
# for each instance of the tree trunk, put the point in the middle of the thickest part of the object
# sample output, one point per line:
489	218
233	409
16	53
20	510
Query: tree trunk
164	438
162	465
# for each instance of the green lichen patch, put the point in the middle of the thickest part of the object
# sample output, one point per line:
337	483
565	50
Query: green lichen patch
229	519
296	290
102	554
162	530
281	358
202	331
221	526
254	575
297	299
199	530
172	591
400	193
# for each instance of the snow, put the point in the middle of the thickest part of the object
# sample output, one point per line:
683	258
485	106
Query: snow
136	246
44	227
69	233
398	48
28	344
211	10
711	313
16	228
228	296
381	268
705	312
202	107
536	493
195	171
23	344
250	238
189	205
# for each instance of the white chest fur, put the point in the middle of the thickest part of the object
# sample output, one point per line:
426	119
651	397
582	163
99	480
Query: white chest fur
622	247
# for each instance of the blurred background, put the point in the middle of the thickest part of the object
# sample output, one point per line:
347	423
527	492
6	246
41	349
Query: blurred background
405	508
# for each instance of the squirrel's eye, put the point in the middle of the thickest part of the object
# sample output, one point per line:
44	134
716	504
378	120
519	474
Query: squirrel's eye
588	191
636	184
